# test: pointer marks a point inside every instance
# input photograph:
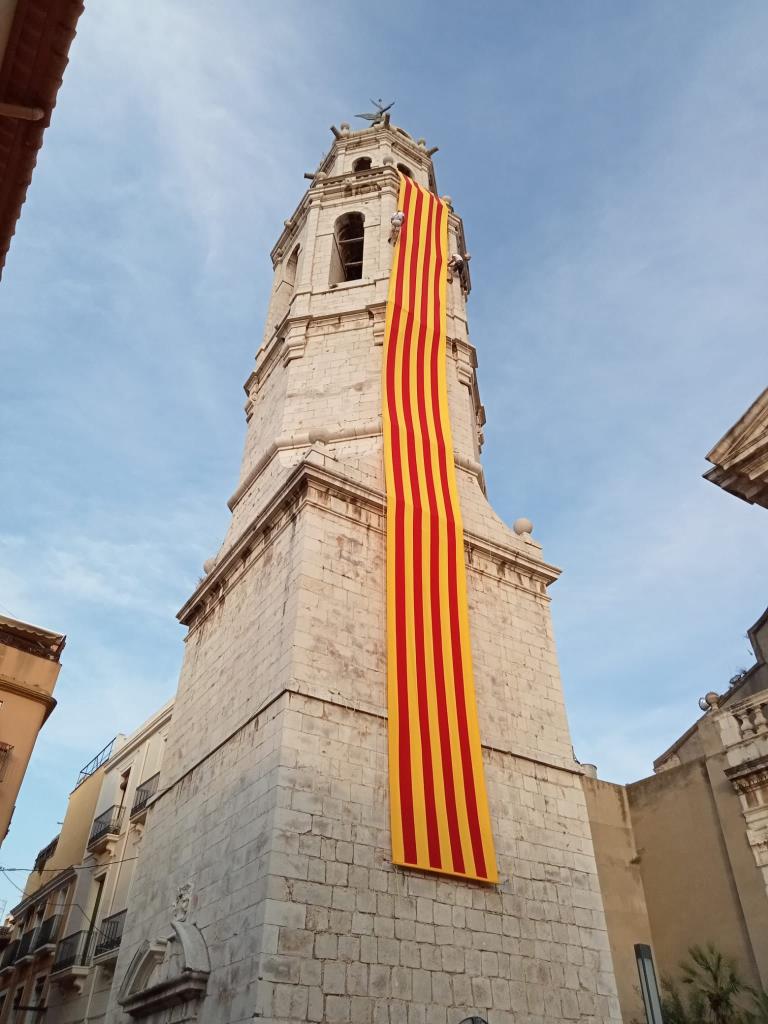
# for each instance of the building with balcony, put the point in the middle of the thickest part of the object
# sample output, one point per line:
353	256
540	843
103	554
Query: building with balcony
29	667
682	856
68	928
51	895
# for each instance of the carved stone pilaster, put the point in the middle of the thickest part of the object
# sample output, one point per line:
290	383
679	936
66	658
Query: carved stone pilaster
377	311
295	338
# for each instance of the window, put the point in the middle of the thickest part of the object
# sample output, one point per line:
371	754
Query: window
91	920
363	163
32	1015
5	756
347	254
59	900
124	777
290	269
405	170
648	986
286	285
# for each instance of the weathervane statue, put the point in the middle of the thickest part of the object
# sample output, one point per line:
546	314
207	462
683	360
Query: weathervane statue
378	117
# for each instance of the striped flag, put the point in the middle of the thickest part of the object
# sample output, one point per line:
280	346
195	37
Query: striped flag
438	803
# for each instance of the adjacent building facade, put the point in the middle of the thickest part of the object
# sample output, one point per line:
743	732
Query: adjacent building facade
41	918
29	667
265	887
63	943
683	855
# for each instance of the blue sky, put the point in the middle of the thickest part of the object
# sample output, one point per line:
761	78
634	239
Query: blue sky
609	162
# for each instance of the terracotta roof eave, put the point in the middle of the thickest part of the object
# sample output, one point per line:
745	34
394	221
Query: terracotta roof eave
43	642
30	75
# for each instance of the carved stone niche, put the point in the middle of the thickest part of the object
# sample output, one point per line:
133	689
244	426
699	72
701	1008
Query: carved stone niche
170	973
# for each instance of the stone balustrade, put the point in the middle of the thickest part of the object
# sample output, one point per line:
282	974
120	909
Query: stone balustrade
751	716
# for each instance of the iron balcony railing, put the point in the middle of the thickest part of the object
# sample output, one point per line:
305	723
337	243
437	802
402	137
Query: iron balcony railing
107	824
47	932
72	951
46	853
144	793
9	954
110	933
93	765
25	944
5	755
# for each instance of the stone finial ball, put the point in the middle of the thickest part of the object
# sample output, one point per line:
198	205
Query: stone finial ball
522	526
387	161
344	127
208	565
448	201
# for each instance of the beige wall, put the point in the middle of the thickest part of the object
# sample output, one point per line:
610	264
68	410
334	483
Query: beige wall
135	758
54	890
621	884
689	886
75	831
26	685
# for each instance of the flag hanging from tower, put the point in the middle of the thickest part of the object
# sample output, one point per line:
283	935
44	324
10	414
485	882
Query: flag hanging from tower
438	802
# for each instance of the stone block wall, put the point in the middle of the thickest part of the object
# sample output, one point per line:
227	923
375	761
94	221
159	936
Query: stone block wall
274	806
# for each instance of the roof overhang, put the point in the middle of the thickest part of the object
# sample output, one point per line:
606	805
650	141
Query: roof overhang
43	643
740	457
35	37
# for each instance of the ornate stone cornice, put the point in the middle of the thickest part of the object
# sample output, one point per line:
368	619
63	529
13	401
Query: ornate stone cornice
510	564
41	894
29	693
740	458
750	775
303	439
378	179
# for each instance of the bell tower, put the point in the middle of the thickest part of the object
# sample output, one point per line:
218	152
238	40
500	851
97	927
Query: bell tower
269	836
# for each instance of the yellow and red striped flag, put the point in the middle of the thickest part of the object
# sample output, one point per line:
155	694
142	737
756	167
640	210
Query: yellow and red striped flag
438	802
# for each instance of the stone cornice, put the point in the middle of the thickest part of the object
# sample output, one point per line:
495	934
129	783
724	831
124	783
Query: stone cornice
284	506
293	324
303	439
750	775
377	179
740	458
324	696
65	875
29	693
136	740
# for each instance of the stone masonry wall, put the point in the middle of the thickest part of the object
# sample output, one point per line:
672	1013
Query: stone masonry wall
274	798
